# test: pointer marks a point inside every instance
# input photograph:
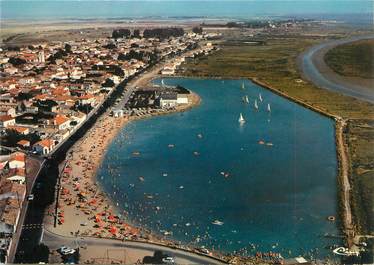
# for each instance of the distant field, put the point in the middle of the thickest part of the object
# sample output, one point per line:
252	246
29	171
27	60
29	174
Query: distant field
353	60
275	64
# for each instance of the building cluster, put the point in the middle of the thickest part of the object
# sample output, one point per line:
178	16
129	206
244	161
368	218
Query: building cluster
12	196
155	98
173	66
49	90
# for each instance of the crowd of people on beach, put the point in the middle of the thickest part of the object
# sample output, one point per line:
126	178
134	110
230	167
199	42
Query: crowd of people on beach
80	198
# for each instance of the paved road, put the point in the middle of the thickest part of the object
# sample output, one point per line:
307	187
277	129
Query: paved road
134	250
329	80
33	166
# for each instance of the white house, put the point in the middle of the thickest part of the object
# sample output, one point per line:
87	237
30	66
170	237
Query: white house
17	160
44	147
182	99
7	120
168	100
18	176
7	110
87	99
117	113
61	122
168	70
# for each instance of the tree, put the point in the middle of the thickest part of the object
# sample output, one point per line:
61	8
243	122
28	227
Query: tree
118	71
108	83
46	105
86	108
163	33
39	253
14	48
12	137
197	30
67	48
24	96
16	61
134	45
121	33
110	46
57	55
136	34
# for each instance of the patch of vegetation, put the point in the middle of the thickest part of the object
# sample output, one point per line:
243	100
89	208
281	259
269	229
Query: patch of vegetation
16	61
12	137
39	253
163	33
352	59
33	118
360	138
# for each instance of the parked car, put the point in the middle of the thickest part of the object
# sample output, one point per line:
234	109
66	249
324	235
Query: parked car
168	260
66	250
203	250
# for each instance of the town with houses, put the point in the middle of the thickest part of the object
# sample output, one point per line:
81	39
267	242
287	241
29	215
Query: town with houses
49	90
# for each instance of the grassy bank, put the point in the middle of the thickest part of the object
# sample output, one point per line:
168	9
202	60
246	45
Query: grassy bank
360	139
353	59
275	65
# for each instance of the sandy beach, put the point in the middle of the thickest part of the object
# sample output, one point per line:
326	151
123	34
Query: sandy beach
83	209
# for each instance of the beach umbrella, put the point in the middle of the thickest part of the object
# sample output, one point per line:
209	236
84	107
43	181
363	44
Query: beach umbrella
134	231
113	230
111	218
97	219
126	226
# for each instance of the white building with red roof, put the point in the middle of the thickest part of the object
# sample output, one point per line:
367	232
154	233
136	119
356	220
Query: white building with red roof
17	160
6	121
44	147
61	122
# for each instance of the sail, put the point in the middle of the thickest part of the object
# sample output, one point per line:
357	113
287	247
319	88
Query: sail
241	119
269	109
256	106
260	97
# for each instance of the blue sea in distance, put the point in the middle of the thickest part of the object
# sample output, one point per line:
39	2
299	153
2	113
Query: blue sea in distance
342	10
276	198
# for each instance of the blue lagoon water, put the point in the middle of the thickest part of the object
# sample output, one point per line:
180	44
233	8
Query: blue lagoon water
276	198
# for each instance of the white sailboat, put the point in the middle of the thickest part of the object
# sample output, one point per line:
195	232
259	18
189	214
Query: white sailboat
243	87
217	222
241	119
256	105
260	97
162	82
269	109
246	99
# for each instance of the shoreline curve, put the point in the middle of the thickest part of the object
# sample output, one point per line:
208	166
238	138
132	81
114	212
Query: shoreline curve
313	68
